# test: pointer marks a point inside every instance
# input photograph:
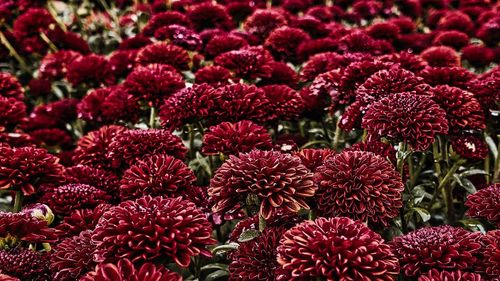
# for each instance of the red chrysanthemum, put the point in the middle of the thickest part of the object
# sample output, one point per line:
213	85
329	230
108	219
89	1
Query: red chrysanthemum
469	147
489	31
335	249
463	111
92	69
81	220
485	88
380	148
312	47
100	179
125	270
66	198
24	264
262	22
17	227
28	27
156	175
414	119
440	247
478	56
26	168
281	74
491	255
455	39
360	185
485	204
138	41
313	158
50	138
452	76
256	259
287	104
247	63
122	62
164	53
284	41
384	30
213	75
153	227
55	65
207	15
455	20
154	82
457	275
234	138
54	114
224	43
72	257
164	19
132	145
12	112
441	56
92	148
180	36
10	87
279	181
323	62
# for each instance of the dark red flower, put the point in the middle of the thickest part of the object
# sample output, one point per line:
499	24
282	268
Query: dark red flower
24	264
207	15
438	247
28	27
347	182
233	138
485	88
26	168
100	179
256	259
281	74
93	148
154	82
478	56
413	119
10	87
491	254
224	43
456	20
50	138
367	9
262	22
463	111
247	63
19	227
457	275
213	75
120	105
324	62
66	198
164	19
287	104
489	31
180	36
122	62
313	158
55	65
138	41
284	41
441	56
380	148
72	257
51	115
454	76
312	47
156	175
485	204
40	87
153	227
81	220
405	24
455	39
125	270
164	53
279	181
470	147
413	42
91	69
132	145
12	112
335	249
384	30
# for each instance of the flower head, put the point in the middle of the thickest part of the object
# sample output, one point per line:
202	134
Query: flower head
335	249
457	275
81	220
12	112
207	15
284	41
279	181
452	76
313	158
469	147
478	56
164	53
24	264
213	75
10	87
247	63
224	43
153	227
63	199
17	227
286	102
441	56
90	68
263	22
491	253
72	257
485	204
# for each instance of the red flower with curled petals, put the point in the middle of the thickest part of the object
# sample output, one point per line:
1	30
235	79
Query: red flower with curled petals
125	270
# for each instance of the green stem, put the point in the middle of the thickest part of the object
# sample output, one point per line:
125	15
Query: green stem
437	156
49	42
262	223
337	137
53	13
445	180
152	117
18	201
14	53
325	130
191	140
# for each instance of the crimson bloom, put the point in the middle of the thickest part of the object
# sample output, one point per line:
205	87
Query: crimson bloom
63	199
469	147
81	220
17	227
24	264
262	22
247	63
12	112
491	253
313	158
441	56
10	87
436	275
91	69
485	204
284	41
72	257
164	53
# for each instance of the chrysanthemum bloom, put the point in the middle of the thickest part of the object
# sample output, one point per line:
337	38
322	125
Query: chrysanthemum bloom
24	264
81	220
455	20
153	227
441	56
312	47
488	32
485	204
125	270
313	158
491	255
12	112
263	22
224	43
52	138
455	39
457	275
164	53
54	65
335	249
156	175
485	88
207	15
132	145
51	115
93	148
122	62
100	179
25	168
384	30
281	74
92	69
63	199
10	87
414	119
470	147
478	56
72	257
279	181
440	247
323	62
136	42
463	111
287	104
28	26
284	41
256	259
415	42
247	63
180	36
154	82
17	227
233	138
452	76
213	75
380	148
163	19
360	185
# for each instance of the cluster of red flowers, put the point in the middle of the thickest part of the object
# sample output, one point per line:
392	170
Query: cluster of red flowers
250	140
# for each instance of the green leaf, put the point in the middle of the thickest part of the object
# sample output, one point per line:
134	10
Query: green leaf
423	213
472	172
221	249
218	266
492	146
217	275
248	235
466	184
